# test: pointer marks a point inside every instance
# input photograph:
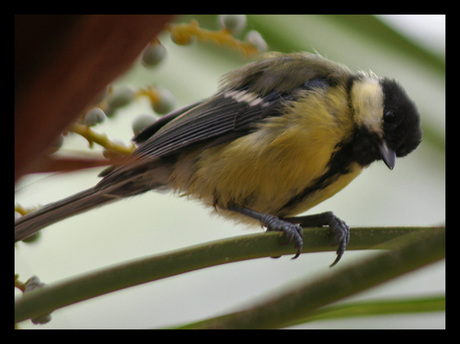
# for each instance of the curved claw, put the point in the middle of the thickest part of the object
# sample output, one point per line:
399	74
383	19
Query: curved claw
342	236
274	223
338	227
290	230
296	234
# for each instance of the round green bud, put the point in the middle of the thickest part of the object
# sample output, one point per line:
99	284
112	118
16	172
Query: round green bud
120	96
166	102
255	38
94	116
141	122
234	22
153	54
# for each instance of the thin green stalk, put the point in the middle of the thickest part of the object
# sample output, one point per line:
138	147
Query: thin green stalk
61	294
409	252
435	303
359	309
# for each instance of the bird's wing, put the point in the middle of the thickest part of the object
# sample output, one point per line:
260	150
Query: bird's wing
223	117
228	114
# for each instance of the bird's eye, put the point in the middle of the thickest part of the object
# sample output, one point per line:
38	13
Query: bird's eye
389	116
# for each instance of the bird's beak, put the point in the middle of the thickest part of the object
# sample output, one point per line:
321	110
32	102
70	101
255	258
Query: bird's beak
388	155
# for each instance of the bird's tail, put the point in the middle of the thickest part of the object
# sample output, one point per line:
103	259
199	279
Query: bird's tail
125	181
31	223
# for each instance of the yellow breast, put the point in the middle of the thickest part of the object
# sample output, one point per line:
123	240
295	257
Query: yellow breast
264	170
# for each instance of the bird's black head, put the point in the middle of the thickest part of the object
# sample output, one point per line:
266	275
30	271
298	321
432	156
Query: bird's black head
402	129
387	121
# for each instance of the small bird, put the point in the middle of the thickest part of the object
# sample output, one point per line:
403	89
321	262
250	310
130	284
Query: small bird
282	134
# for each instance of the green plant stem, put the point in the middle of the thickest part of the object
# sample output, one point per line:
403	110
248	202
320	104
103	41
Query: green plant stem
358	309
61	294
435	303
409	252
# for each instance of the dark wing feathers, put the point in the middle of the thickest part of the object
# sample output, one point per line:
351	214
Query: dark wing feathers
152	129
217	116
239	106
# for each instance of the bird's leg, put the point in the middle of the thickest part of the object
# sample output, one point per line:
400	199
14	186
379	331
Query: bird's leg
274	223
339	228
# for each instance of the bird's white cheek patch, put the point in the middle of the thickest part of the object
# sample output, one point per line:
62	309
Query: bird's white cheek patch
367	101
